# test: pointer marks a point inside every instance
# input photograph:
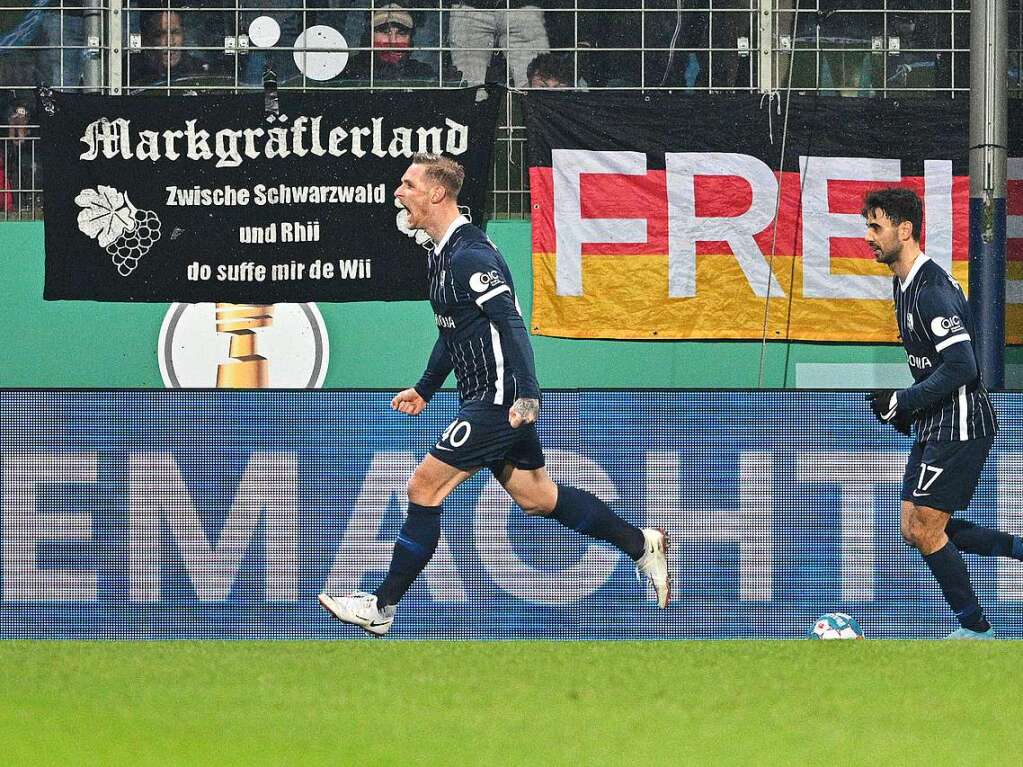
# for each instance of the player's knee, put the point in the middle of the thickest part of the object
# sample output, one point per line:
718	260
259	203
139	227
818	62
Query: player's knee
911	530
419	490
907	531
929	539
538	503
537	508
920	535
908	524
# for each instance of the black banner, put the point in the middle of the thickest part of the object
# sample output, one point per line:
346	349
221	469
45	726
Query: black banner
659	121
211	198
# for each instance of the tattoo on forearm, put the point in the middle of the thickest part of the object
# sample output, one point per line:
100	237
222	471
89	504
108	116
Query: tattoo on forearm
528	409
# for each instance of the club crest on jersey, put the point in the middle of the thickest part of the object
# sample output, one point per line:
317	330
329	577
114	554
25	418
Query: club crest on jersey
481	282
942	326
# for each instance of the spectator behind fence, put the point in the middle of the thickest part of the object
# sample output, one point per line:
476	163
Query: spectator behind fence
19	72
551	70
162	60
393	30
15	119
354	22
629	48
477	29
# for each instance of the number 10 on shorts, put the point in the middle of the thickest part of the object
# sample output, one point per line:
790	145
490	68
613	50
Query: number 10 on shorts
457	433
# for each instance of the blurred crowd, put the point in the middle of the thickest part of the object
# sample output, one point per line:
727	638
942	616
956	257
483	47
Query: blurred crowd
685	44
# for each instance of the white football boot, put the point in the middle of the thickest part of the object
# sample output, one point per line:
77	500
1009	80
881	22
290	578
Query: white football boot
360	609
654	563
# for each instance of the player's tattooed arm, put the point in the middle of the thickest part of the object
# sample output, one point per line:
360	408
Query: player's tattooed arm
524	410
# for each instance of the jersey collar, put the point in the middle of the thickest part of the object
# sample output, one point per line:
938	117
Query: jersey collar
920	261
447	235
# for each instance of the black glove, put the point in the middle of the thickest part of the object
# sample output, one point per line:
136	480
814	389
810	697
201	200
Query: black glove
884	405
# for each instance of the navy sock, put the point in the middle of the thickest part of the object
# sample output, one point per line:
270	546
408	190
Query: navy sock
950	572
984	541
412	551
587	514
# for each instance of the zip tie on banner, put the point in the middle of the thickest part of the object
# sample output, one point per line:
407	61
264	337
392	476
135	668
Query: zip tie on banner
271	98
770	123
45	95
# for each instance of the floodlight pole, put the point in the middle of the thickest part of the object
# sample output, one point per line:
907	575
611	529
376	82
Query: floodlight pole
989	106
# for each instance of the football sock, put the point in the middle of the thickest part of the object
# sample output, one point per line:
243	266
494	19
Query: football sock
412	551
984	541
949	570
587	514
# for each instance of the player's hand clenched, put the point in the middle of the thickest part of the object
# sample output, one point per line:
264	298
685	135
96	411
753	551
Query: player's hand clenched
883	403
408	402
523	411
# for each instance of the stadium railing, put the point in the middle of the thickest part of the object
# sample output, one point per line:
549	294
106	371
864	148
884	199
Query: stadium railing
865	48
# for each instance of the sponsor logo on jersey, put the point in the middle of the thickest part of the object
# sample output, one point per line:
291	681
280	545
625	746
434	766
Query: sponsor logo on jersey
942	326
445	322
481	282
921	363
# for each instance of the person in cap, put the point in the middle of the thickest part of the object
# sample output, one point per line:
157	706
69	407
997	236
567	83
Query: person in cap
390	37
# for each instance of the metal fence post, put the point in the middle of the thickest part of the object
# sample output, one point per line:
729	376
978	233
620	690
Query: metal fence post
117	21
765	36
989	70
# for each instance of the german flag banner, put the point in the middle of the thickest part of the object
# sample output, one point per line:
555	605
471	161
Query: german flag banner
662	215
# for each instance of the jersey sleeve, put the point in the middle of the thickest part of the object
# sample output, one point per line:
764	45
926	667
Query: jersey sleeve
941	308
942	311
480	271
437	369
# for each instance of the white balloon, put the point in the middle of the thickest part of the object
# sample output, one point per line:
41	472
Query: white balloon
321	64
264	32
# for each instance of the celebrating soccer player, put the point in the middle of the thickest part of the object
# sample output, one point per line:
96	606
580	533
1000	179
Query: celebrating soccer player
483	339
948	404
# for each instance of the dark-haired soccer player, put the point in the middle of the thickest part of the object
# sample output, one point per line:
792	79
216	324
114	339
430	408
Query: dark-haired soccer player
955	421
483	339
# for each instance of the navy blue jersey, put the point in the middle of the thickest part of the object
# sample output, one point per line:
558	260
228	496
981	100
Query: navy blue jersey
948	398
482	336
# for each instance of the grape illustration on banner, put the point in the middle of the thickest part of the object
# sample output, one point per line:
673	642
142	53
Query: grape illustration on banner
125	232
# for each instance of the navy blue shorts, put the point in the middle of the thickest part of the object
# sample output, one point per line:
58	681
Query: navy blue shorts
481	436
944	475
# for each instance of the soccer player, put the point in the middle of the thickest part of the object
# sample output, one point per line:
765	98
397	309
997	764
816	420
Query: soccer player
483	339
948	404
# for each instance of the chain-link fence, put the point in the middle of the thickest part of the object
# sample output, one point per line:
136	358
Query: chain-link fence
858	48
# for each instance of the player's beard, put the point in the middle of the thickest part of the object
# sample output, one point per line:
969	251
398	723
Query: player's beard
887	257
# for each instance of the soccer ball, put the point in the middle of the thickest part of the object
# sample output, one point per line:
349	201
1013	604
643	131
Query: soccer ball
835	626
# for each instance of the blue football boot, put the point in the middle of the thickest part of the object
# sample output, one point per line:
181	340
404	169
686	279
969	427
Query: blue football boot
965	633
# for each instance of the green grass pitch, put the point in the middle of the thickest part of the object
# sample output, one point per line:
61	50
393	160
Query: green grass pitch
511	703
